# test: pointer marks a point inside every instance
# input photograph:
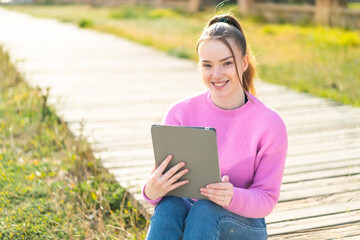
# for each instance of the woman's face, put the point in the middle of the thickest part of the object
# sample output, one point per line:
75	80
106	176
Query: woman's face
218	68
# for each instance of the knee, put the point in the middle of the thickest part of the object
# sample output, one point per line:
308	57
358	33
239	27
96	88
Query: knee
170	206
169	218
170	201
202	221
205	206
202	211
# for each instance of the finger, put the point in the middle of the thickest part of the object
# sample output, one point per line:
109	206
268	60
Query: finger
221	200
178	176
163	165
178	184
217	198
173	170
225	179
214	192
220	186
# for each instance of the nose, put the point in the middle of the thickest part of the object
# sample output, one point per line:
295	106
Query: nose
218	72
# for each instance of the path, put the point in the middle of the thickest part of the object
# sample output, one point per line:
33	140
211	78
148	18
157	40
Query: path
120	89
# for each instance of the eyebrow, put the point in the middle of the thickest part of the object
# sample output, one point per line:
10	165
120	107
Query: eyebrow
220	60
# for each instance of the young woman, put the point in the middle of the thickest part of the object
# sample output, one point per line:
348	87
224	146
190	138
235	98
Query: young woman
252	146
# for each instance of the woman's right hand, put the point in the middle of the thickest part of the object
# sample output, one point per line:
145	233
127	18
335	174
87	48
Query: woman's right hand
160	184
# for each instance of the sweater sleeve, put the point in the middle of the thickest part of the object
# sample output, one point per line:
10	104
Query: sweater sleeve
170	119
260	198
152	202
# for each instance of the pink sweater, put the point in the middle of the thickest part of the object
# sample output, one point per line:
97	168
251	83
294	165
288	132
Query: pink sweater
252	146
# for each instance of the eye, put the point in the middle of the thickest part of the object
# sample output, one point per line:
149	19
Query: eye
228	63
206	65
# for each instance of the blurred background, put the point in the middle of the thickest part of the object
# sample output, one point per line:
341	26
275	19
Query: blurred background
290	38
52	186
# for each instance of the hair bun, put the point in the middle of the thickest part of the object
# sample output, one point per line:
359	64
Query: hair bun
226	18
223	19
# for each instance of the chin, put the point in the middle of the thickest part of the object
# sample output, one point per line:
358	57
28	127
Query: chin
218	94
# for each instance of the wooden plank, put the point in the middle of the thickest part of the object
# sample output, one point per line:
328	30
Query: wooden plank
131	171
322	174
322	157
323	166
334	181
114	123
319	148
318	201
315	222
306	213
316	110
354	237
133	109
341	232
323	123
287	104
320	142
138	183
314	136
88	122
85	98
321	128
134	154
292	195
128	165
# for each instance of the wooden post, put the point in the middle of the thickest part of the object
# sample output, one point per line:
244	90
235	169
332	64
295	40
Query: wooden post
325	8
342	3
194	5
159	3
244	6
134	2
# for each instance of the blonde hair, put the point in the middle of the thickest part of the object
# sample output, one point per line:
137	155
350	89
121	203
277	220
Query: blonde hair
223	27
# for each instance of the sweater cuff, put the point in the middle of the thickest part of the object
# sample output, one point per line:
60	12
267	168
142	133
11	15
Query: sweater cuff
237	202
152	202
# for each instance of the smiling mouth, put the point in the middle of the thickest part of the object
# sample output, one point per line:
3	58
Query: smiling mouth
220	84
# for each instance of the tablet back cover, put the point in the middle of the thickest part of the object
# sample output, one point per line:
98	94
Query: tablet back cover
197	147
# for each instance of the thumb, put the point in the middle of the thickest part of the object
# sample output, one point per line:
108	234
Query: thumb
225	179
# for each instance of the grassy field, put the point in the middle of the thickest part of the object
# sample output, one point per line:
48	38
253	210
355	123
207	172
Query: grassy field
315	59
51	186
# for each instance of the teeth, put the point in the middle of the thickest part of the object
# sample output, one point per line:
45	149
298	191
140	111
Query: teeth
220	84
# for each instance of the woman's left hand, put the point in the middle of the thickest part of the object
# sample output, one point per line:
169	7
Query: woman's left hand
220	193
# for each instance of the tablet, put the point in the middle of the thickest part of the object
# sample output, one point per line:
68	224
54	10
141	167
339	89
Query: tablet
197	147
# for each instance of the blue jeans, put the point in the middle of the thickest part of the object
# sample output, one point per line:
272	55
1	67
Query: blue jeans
181	218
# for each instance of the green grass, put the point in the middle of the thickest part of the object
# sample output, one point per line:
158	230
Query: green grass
51	186
354	5
319	60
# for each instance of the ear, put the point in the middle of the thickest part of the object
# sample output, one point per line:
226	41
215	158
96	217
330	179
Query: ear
245	62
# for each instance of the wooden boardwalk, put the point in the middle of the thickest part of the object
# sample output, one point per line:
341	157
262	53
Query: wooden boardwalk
118	89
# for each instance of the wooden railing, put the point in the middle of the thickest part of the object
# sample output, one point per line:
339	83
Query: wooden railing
325	12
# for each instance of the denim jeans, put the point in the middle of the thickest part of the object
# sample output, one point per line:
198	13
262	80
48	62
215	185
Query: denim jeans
181	218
